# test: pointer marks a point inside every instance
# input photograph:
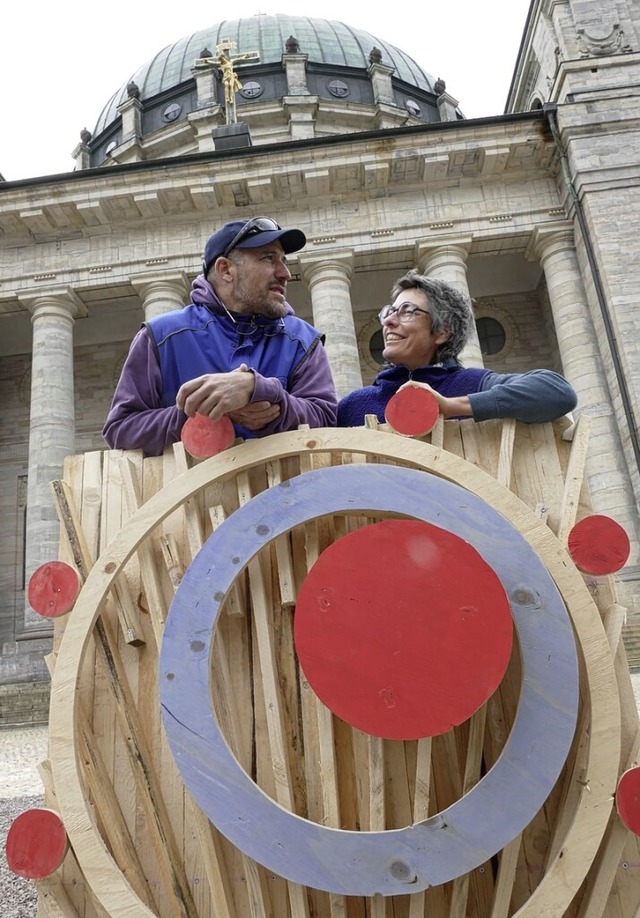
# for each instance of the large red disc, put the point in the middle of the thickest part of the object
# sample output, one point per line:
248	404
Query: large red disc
598	545
36	843
412	411
53	589
203	437
402	629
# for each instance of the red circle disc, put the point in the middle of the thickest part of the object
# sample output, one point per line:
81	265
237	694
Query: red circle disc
598	545
412	411
53	589
203	438
36	843
628	799
402	629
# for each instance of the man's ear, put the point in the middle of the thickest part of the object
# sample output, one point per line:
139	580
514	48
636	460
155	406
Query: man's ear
444	335
223	270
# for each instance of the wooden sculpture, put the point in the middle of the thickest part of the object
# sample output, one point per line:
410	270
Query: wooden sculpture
346	674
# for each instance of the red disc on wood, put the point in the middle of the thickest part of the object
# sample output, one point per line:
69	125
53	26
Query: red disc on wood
204	438
412	411
598	545
402	629
53	589
36	843
628	799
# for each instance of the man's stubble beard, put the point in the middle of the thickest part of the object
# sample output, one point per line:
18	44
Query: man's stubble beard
269	309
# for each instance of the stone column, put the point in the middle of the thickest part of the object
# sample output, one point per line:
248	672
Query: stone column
51	424
447	261
162	294
329	282
582	364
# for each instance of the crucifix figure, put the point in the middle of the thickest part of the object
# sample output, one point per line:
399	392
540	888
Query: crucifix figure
230	80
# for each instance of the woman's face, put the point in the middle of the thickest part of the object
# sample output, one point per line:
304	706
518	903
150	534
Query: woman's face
411	343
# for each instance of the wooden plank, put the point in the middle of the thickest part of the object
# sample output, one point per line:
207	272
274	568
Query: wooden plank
505	456
286	576
574	478
507	865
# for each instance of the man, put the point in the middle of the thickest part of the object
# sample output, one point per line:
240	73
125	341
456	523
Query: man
237	349
424	330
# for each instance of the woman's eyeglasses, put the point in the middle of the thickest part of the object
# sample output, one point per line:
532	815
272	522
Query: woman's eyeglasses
251	228
404	312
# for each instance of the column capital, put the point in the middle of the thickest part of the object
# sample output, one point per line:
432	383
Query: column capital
161	293
314	267
58	301
444	250
143	283
550	237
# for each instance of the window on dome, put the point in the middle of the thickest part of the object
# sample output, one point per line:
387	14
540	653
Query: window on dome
110	148
171	112
338	88
251	89
412	107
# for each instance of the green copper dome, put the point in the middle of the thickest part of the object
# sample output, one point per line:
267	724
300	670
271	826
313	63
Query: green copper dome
326	42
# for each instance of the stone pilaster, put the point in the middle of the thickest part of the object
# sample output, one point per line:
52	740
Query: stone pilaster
582	364
204	73
447	261
448	107
162	294
380	76
131	114
51	424
295	68
329	282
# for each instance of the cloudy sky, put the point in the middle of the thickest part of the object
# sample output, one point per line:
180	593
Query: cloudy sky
60	62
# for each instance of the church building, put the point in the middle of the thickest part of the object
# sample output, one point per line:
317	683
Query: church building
534	212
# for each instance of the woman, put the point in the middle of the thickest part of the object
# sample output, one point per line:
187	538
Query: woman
425	328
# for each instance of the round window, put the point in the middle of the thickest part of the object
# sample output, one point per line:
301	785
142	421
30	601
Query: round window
338	88
491	335
171	112
251	89
376	347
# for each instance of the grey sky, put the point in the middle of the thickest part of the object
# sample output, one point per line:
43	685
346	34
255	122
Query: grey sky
61	62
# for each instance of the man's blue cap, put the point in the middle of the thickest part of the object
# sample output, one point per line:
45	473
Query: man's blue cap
290	239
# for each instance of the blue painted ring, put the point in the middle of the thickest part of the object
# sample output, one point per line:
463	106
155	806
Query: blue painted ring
444	846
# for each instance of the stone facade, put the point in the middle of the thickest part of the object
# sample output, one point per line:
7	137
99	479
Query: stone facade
533	212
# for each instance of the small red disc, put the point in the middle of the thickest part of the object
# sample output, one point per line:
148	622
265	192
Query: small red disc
53	589
412	411
36	843
628	799
598	545
203	438
402	629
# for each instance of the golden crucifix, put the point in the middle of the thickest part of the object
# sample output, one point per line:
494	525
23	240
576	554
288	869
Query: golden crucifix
230	80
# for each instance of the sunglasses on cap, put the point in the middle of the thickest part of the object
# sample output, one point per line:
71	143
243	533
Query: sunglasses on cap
252	228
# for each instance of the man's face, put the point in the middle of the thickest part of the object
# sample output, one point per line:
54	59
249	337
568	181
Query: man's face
259	281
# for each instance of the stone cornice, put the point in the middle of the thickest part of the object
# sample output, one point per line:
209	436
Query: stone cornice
168	188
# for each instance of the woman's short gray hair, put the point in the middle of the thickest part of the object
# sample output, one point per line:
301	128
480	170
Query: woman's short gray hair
450	310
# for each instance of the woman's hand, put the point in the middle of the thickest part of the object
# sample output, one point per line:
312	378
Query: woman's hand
456	407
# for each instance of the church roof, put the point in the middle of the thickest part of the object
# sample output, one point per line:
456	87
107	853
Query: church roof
325	42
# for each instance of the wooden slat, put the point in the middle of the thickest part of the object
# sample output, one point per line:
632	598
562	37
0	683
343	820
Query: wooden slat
574	478
505	457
